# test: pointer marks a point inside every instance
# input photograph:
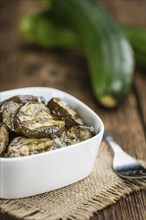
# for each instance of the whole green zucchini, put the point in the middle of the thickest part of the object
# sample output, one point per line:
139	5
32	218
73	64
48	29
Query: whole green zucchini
109	55
137	38
140	61
44	30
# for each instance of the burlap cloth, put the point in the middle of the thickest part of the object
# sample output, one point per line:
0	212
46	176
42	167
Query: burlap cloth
80	200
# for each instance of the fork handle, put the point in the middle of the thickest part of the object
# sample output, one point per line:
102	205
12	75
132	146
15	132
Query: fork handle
116	148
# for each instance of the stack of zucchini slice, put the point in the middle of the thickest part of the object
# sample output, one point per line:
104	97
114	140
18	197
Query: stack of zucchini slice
28	126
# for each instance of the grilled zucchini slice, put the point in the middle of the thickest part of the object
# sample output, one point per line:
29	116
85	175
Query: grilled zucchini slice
34	120
4	138
1	118
60	108
76	134
24	98
22	146
9	110
9	107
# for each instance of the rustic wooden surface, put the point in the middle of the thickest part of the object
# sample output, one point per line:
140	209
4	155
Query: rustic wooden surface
23	66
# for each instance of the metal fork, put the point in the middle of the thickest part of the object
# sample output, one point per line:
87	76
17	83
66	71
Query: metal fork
123	164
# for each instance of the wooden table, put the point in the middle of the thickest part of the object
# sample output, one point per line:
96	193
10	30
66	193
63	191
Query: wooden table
23	66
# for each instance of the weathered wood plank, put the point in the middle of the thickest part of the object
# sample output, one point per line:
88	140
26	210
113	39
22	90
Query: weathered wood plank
125	209
140	90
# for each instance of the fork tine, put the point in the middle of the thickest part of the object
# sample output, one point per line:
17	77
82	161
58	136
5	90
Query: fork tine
132	172
132	176
123	164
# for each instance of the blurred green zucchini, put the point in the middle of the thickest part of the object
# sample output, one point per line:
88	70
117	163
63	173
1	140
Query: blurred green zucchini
43	30
137	39
109	55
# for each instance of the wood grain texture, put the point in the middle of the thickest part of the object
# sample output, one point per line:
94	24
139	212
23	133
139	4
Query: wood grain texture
22	66
120	211
140	92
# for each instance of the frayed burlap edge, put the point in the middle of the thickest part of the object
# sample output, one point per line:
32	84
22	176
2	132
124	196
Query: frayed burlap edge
87	206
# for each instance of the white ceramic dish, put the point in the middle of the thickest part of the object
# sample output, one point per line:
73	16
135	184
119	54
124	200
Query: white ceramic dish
32	175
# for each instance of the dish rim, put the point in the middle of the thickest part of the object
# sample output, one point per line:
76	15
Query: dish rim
2	159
